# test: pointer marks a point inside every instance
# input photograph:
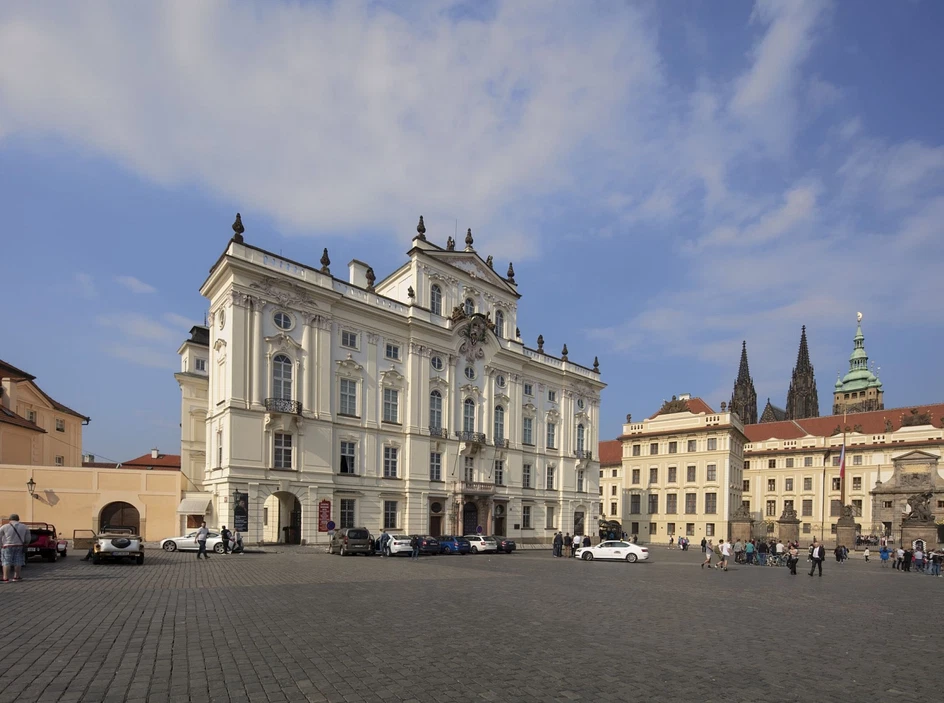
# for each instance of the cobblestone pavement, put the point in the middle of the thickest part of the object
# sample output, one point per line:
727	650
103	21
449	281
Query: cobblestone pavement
301	625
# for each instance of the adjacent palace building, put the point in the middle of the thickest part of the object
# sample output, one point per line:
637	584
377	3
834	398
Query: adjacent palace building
410	404
687	470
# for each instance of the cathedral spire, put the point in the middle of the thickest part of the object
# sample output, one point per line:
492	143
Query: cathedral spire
802	398
744	398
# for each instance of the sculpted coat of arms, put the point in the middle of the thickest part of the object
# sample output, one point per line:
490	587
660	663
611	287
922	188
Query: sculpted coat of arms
473	338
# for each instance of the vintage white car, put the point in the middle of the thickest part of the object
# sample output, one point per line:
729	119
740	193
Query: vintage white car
113	543
614	549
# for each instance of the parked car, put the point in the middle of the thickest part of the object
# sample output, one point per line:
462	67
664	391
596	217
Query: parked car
351	540
399	544
429	544
614	549
482	544
505	545
44	541
117	543
188	543
454	544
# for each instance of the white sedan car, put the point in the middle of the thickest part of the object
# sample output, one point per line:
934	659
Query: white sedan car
482	544
188	542
399	544
614	549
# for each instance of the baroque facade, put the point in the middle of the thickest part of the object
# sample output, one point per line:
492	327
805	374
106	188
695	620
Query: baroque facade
409	404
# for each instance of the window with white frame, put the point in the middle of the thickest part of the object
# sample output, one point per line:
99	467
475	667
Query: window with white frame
549	479
712	444
788	485
468	415
528	389
551	435
60	425
526	476
282	443
437	363
391	455
499	423
348	457
499	324
435	466
391	405
60	461
499	472
710	529
711	503
790	462
807	461
692	445
857	460
807	484
580	483
526	517
281	377
435	299
348	404
469	307
712	471
435	410
349	339
580	438
549	522
551	396
390	515
857	483
31	416
346	513
527	431
282	320
200	364
469	466
392	351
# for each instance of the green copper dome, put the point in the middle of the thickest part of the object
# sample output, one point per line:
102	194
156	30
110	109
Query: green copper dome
859	377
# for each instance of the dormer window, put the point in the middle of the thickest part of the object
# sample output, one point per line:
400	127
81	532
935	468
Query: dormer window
200	365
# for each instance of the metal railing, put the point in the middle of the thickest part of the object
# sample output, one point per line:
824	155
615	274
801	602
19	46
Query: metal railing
476	487
438	432
283	405
583	454
477	437
502	442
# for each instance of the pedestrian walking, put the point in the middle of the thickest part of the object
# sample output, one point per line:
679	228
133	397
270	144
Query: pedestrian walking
936	560
793	556
14	536
900	559
201	539
725	555
226	535
883	554
817	556
865	553
415	546
565	543
575	545
384	543
706	548
238	543
749	552
703	543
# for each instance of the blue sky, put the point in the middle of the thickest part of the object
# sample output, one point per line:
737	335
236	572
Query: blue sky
668	178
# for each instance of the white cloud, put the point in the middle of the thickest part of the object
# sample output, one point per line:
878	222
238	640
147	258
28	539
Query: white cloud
798	207
143	356
135	285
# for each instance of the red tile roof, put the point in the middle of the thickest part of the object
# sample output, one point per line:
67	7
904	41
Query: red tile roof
9	417
611	452
10	371
146	461
870	423
696	406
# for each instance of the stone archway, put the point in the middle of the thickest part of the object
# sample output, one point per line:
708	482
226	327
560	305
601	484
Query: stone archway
119	514
282	518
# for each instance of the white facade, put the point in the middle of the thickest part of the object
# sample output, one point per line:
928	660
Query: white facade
388	406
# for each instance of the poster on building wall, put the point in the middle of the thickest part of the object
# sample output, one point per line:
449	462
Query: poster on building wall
241	512
324	515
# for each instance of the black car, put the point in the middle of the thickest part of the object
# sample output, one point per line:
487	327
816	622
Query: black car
505	544
429	545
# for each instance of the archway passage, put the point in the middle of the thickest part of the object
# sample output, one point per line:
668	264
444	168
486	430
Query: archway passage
119	515
282	519
470	518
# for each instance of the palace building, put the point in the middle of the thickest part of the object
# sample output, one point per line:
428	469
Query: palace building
410	403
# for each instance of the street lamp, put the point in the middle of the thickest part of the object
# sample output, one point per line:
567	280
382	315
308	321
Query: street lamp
31	486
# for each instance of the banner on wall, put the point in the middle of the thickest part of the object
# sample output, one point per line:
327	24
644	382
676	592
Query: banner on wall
241	512
324	515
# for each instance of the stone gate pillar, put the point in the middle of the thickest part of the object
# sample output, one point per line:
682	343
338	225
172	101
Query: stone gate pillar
789	526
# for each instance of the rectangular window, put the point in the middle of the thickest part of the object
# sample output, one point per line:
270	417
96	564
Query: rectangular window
837	483
552	396
689	529
526	517
690	474
673	474
692	444
60	425
653	503
435	466
348	398
499	472
31	416
835	508
528	389
789	462
808	484
746	485
634	504
551	435
836	460
670	528
200	364
390	514
653	527
691	503
653	475
346	516
392	352
788	485
390	462
349	339
637	449
527	435
712	444
580	481
888	504
654	448
283	451
711	503
771	463
673	447
807	461
710	529
771	485
747	465
771	508
549	480
636	477
391	406
613	490
265	516
857	483
807	528
549	521
857	507
807	507
671	504
615	473
347	458
712	472
526	476
832	529
857	460
613	508
60	461
746	504
469	469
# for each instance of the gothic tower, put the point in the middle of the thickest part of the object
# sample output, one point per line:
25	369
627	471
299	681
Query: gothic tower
744	399
802	399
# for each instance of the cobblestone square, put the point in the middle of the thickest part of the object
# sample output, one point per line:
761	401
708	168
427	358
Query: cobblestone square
300	625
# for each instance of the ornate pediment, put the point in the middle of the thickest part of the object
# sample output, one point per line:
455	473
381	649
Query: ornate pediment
552	414
348	366
438	382
529	409
392	377
282	342
502	398
470	389
284	293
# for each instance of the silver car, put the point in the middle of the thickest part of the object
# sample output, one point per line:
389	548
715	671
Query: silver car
188	543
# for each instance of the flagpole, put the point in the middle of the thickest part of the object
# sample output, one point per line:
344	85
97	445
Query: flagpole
842	468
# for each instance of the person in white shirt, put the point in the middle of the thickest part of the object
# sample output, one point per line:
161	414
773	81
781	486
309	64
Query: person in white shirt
201	539
900	559
14	536
780	548
725	555
575	544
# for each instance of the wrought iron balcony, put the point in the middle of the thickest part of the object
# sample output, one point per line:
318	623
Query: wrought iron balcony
584	454
502	443
476	437
283	405
438	432
476	487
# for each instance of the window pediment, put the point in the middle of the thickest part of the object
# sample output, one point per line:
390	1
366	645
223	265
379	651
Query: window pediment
349	367
581	416
282	342
470	390
392	378
529	410
552	415
438	382
502	398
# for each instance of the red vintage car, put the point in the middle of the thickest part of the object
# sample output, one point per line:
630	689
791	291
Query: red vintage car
45	542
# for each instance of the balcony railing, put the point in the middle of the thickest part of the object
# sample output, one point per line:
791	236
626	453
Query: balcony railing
502	443
584	454
438	432
283	405
477	437
478	487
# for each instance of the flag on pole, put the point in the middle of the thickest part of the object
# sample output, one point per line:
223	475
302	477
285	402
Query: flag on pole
842	461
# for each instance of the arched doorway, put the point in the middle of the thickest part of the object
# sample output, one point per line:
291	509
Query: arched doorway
580	521
499	519
282	519
119	514
470	518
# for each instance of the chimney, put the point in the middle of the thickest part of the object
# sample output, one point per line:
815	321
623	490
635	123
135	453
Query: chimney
357	273
88	458
154	453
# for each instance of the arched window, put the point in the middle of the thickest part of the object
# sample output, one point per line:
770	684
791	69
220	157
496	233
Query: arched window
469	307
282	377
435	299
499	324
468	415
435	410
580	438
499	422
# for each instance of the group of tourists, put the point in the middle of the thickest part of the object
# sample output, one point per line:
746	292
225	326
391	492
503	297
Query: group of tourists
905	559
562	542
683	543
